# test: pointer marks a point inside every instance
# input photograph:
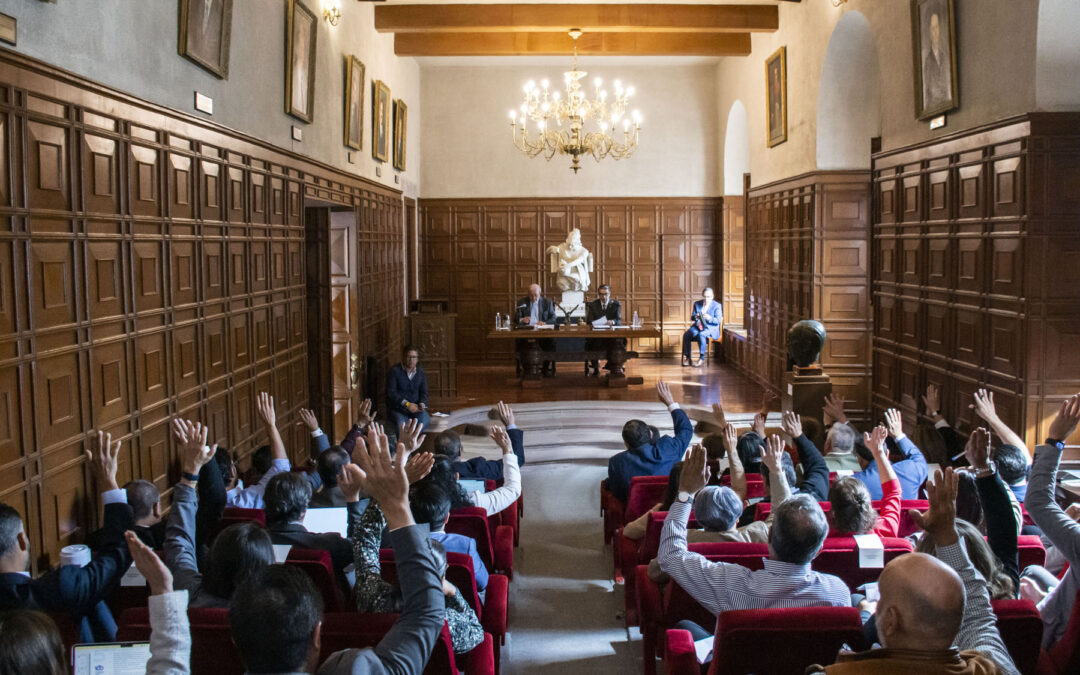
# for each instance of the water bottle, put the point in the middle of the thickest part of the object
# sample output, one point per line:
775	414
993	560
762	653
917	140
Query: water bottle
498	321
636	320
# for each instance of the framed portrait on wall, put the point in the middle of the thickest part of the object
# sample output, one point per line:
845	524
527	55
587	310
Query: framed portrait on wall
401	113
380	121
205	30
354	103
301	29
933	33
776	96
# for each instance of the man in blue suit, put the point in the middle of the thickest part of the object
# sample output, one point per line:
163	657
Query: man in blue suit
705	322
479	468
646	455
406	390
430	506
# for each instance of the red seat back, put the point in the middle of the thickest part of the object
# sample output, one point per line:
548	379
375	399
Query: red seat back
235	514
1021	630
212	648
1065	654
472	521
782	641
645	493
650	543
459	571
907	525
1030	550
678	605
755	484
352	630
840	557
320	567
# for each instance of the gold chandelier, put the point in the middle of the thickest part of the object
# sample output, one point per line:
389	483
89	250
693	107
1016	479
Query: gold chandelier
561	121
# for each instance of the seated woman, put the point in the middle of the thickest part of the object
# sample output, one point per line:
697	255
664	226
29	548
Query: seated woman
851	511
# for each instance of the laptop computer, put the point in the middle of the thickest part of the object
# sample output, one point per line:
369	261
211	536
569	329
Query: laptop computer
110	658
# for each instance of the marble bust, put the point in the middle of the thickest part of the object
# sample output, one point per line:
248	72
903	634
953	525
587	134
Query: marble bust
571	263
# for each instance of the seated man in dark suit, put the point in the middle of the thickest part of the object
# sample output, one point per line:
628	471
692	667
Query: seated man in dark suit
705	321
71	589
328	467
287	497
145	501
479	468
602	308
406	390
535	310
430	505
644	455
276	616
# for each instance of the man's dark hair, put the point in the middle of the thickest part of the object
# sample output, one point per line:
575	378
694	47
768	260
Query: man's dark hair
10	526
602	287
862	451
750	446
430	503
262	459
224	462
273	616
31	644
329	465
240	550
635	434
448	443
286	497
851	512
141	496
442	474
714	446
1011	463
798	531
787	465
409	348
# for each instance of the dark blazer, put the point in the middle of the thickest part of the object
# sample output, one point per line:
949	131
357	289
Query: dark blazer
613	313
295	534
479	468
71	589
546	312
651	459
407	647
327	497
400	388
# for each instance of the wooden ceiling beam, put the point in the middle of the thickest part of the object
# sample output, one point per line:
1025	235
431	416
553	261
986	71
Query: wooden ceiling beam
591	18
596	44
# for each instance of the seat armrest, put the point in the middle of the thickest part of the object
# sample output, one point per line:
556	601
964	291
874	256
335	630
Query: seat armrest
504	551
679	655
495	606
481	660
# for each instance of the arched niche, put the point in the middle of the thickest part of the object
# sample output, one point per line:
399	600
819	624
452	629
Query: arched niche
1057	56
849	96
736	149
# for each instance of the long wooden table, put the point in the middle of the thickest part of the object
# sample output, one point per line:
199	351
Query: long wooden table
531	342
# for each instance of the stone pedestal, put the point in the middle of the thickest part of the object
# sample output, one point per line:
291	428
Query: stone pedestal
805	395
574	302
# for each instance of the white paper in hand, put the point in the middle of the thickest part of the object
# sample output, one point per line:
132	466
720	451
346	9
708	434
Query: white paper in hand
133	577
871	551
703	649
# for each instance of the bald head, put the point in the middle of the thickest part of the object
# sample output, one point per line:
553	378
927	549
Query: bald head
534	292
922	603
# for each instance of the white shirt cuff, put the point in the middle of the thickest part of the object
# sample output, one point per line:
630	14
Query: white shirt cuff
673	407
899	437
511	426
117	496
316	433
940	424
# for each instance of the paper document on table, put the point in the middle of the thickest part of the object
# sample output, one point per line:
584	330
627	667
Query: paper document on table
600	323
281	552
546	326
703	649
871	551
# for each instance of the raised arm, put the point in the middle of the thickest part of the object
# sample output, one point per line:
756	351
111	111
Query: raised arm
984	408
517	436
735	465
889	513
319	442
684	430
499	499
1001	525
180	549
170	636
833	410
264	403
1062	531
773	458
815	471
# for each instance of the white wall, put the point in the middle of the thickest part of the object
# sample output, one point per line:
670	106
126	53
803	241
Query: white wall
468	150
1057	75
131	45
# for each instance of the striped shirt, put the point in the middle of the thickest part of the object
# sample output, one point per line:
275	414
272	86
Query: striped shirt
720	587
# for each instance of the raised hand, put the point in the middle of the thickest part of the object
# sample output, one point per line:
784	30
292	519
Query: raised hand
506	413
695	472
940	521
350	480
364	416
182	430
664	392
792	424
773	457
409	435
105	460
894	422
731	440
308	419
767	400
718	414
875	440
932	399
977	449
502	439
384	478
418	466
834	409
194	451
984	405
1067	418
264	404
153	568
759	424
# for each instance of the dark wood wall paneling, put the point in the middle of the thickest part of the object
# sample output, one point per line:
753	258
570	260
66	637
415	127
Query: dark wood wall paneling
152	265
734	259
482	254
976	279
806	258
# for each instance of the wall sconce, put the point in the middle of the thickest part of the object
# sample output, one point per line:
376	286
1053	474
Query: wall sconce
331	12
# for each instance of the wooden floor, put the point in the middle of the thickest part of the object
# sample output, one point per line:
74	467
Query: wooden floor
482	383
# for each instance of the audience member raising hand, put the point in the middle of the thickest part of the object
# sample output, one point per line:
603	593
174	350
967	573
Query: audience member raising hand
833	410
104	461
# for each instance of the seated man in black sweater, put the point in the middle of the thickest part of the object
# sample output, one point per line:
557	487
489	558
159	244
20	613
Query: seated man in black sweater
71	589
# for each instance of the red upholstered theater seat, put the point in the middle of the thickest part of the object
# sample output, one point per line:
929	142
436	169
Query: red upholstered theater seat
496	547
1030	551
840	556
755	484
615	511
629	554
768	641
235	514
907	525
212	648
318	565
1021	630
1064	657
511	515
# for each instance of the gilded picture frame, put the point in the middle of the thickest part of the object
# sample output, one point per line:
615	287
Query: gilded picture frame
776	97
380	121
354	103
933	48
301	32
205	28
401	117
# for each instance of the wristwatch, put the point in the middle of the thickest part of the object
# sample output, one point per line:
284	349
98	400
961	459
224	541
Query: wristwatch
1053	441
189	476
683	496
